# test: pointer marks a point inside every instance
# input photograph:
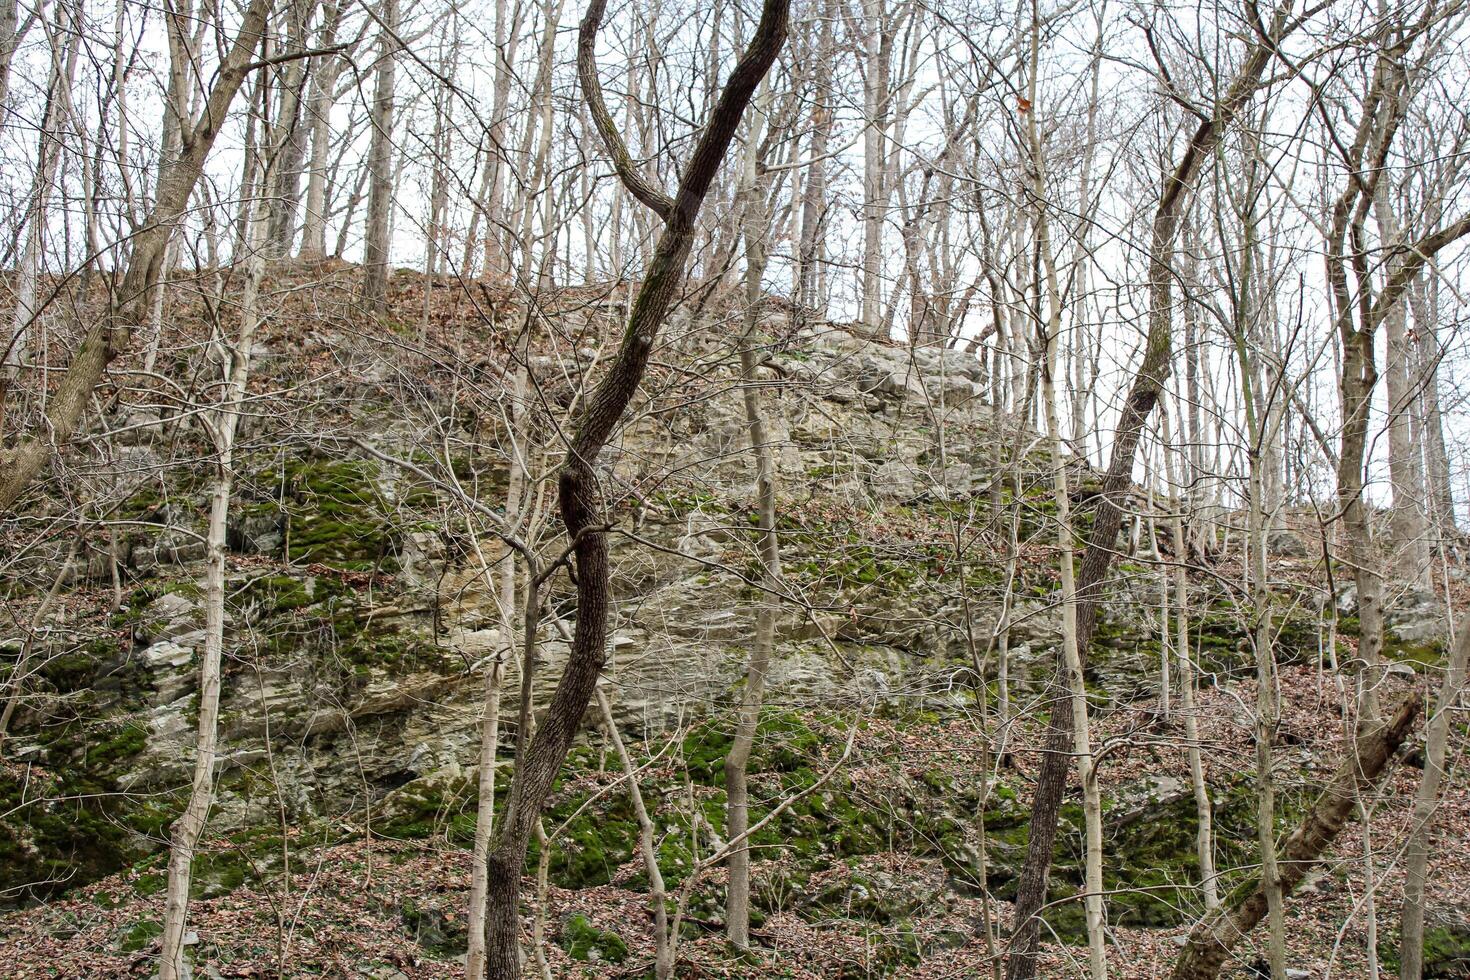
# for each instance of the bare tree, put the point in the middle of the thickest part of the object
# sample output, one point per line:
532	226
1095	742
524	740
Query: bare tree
176	180
539	758
377	241
1142	396
1217	934
221	422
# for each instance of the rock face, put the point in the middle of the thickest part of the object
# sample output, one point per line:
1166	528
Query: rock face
361	623
1417	616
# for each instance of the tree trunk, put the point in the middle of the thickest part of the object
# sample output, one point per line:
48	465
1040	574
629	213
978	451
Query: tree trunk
289	133
1204	839
814	189
876	52
12	32
507	36
1071	659
1424	302
189	827
377	243
737	797
579	496
1426	801
323	92
1408	527
505	605
664	939
64	43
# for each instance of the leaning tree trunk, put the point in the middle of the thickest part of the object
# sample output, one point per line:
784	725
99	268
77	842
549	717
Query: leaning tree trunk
579	497
110	334
1211	941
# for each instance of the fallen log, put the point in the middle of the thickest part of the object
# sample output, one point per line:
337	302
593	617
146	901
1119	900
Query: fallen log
1216	935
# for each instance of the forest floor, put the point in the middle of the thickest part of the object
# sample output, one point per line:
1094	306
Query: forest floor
375	908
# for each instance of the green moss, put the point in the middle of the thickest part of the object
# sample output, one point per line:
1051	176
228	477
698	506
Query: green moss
1420	656
682	501
331	510
1152	867
272	595
141	935
217	873
68	827
335	624
594	845
784	742
151	883
431	807
584	941
127	742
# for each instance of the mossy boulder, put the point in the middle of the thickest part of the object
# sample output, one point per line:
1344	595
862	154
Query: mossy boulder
584	941
437	806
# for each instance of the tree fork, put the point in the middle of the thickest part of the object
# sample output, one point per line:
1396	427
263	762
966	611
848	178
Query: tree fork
577	488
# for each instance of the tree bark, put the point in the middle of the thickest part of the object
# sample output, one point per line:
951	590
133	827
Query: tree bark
289	134
814	189
877	49
737	796
1189	670
577	484
64	39
319	111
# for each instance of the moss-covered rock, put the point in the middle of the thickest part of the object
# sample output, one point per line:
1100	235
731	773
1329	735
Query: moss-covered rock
329	510
438	805
584	941
66	823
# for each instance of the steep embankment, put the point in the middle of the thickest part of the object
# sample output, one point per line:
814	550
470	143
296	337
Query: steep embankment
361	621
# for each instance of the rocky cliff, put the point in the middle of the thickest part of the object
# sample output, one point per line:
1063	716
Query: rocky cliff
362	618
